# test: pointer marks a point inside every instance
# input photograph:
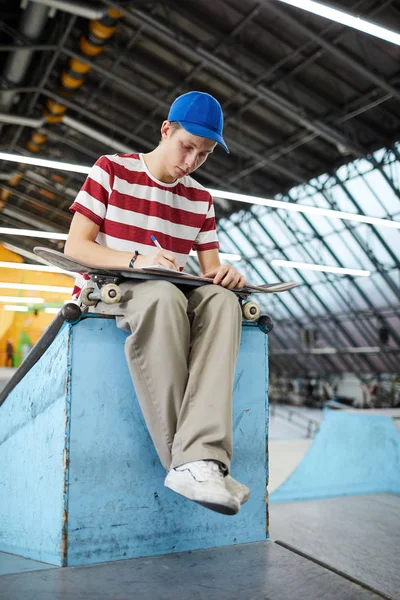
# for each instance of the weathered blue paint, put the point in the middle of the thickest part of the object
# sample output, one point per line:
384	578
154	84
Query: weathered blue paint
32	444
351	454
120	505
110	492
66	455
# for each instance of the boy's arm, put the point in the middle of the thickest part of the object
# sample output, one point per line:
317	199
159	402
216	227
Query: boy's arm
209	260
81	245
225	275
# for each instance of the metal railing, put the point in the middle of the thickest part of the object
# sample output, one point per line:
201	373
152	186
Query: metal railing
293	416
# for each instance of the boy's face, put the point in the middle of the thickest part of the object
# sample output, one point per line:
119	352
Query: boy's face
183	152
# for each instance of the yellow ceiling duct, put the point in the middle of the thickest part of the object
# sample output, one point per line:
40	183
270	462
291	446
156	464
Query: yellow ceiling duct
91	45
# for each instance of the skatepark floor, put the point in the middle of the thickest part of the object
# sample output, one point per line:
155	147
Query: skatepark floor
344	548
358	535
256	571
356	538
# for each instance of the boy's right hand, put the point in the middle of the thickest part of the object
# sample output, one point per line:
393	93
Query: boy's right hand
163	258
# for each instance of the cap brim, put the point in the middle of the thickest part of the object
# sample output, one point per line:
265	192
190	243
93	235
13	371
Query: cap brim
204	132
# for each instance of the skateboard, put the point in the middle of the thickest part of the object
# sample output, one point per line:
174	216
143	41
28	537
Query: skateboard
106	281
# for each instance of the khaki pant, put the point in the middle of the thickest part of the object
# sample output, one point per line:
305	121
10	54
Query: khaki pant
182	352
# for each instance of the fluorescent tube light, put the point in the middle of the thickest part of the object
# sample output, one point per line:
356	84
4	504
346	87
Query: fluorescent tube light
44	162
22	299
326	269
224	256
51	310
33	287
346	19
289	206
350	350
363	350
15	308
33	233
26	267
312	210
327	350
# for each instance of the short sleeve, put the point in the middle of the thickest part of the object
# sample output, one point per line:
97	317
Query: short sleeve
92	199
207	237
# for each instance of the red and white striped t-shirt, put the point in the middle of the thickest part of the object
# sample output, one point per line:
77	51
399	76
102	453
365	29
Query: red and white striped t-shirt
129	205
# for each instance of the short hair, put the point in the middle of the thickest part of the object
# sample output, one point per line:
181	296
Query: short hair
175	126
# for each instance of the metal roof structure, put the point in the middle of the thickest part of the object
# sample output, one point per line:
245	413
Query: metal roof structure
312	117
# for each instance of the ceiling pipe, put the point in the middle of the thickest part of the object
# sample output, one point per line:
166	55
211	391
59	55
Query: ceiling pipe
80	10
91	44
19	120
96	135
25	217
102	26
57	185
31	26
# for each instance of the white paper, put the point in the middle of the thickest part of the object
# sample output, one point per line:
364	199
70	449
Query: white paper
166	270
158	268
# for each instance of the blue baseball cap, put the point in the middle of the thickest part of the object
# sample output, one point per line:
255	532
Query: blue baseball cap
199	114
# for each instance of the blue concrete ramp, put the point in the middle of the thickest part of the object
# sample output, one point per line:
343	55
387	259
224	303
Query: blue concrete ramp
80	481
351	454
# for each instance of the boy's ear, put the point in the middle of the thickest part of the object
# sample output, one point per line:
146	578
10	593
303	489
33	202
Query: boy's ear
165	129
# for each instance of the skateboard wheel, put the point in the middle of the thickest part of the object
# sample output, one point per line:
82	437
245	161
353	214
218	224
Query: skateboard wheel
110	293
71	312
85	297
251	311
265	323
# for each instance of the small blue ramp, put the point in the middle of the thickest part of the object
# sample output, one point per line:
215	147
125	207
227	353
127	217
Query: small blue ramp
351	454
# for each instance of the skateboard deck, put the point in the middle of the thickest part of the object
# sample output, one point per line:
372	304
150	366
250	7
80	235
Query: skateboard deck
106	279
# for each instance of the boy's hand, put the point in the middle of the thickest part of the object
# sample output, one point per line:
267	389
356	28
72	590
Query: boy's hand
227	277
163	258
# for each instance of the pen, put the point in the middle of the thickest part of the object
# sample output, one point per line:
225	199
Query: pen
153	239
156	243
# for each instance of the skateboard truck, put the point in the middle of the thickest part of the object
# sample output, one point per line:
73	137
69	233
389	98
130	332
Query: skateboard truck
106	280
108	291
105	291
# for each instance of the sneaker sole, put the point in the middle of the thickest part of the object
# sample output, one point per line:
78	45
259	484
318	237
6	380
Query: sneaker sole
221	507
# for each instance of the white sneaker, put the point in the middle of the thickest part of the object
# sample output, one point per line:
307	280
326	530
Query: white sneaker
203	482
237	489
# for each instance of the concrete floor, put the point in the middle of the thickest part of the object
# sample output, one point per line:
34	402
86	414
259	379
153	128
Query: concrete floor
287	442
283	458
9	563
257	571
359	535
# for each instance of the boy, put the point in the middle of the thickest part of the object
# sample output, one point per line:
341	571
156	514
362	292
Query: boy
183	345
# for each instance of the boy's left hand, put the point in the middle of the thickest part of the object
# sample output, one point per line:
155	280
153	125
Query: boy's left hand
226	276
